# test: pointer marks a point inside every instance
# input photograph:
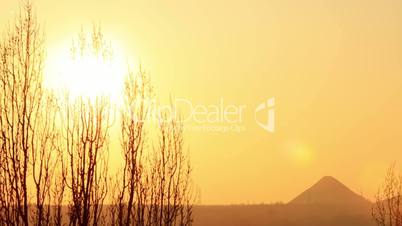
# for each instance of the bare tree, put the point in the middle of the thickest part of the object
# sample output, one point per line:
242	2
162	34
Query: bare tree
58	183
131	198
44	160
155	185
387	209
87	123
86	137
27	125
48	161
58	189
172	169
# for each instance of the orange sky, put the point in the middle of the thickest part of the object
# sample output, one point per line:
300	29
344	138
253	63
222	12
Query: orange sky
333	66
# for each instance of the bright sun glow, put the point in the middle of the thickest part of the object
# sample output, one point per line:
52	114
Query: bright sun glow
87	76
300	154
303	155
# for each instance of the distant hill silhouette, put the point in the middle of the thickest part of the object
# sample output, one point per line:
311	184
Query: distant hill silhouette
329	191
327	203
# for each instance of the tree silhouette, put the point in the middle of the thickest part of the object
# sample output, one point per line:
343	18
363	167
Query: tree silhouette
172	171
86	135
27	125
155	185
131	197
54	150
387	209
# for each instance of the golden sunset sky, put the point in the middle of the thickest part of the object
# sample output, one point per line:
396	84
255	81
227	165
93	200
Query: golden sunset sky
333	66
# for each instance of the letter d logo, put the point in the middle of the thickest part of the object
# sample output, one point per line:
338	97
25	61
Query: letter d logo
268	105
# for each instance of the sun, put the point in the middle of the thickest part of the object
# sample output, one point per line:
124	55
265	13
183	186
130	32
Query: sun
87	75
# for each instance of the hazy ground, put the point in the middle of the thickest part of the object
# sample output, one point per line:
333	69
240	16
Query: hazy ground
326	203
280	215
